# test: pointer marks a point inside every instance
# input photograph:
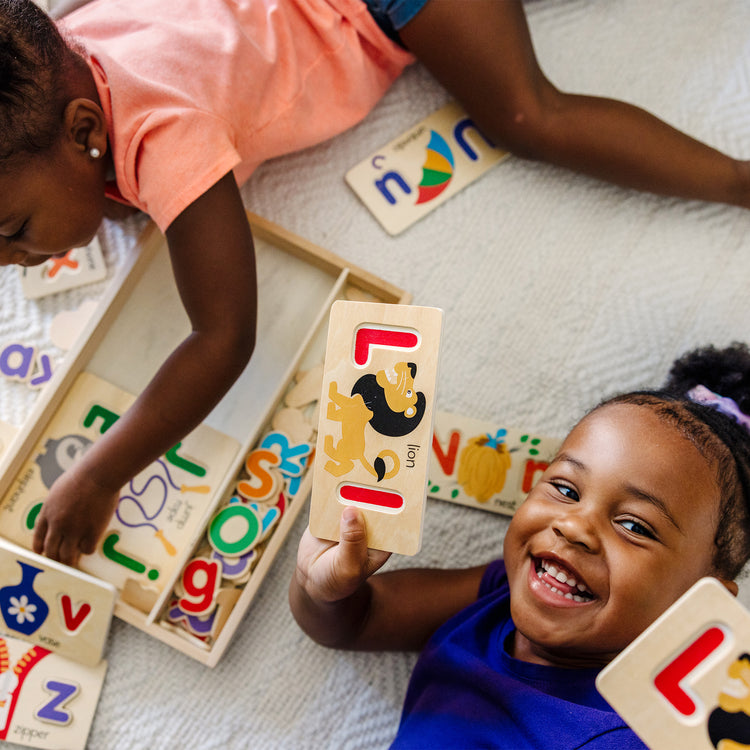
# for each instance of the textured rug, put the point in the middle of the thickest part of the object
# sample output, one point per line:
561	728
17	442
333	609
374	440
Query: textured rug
557	290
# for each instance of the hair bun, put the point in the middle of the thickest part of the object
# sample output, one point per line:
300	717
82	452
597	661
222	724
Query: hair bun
724	371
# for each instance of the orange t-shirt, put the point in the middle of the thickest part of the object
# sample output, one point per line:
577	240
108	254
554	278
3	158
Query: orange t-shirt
196	88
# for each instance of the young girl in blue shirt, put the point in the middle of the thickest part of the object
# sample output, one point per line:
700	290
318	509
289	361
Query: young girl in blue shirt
649	492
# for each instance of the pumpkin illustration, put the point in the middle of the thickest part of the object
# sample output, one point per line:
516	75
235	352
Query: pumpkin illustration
483	465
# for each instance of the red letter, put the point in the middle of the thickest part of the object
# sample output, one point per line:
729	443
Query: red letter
667	682
531	469
73	621
447	460
370	337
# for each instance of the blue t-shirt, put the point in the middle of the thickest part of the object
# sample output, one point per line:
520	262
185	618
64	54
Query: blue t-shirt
467	691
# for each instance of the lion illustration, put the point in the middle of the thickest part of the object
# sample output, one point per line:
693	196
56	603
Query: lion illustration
387	402
729	722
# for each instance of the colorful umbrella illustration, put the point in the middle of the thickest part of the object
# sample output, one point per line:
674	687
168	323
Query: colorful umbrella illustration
437	170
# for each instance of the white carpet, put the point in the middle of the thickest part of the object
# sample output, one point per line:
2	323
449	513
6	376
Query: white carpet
557	290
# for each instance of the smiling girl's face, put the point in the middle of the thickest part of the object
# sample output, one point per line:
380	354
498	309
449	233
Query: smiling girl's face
620	525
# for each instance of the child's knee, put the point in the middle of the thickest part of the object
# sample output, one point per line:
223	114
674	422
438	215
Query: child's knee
526	124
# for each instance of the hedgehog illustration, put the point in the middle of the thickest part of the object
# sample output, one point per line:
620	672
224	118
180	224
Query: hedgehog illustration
59	455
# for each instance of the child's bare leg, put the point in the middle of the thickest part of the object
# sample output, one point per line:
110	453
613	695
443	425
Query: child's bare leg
482	52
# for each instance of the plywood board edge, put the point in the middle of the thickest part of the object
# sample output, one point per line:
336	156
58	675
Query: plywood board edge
138	619
277	541
325	259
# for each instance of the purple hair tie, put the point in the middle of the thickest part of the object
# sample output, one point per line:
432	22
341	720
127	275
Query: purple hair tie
723	404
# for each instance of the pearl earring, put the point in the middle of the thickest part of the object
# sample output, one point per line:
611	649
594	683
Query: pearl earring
94	153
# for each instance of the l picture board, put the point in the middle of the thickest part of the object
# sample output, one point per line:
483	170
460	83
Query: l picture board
685	681
375	424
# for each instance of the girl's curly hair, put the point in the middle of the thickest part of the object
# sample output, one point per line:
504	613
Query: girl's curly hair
719	438
35	62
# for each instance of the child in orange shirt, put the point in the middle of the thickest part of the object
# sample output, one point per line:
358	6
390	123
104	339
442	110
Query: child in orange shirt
167	106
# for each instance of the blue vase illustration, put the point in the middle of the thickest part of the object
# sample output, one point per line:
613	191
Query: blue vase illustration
23	610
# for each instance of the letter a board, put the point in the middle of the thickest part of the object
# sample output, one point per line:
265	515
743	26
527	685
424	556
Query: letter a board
375	427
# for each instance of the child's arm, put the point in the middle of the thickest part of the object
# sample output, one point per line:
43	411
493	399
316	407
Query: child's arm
212	255
482	52
337	604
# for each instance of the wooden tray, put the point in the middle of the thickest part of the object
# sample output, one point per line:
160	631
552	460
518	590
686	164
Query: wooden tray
140	319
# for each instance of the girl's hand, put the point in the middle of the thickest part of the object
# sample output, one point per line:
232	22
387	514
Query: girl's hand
73	517
331	571
336	602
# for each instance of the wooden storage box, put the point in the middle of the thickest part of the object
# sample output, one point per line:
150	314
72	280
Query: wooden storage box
137	322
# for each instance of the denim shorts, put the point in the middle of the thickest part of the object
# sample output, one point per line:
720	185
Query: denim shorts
392	15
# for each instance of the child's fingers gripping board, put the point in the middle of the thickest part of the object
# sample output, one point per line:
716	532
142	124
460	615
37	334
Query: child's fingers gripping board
375	427
58	607
413	174
685	681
